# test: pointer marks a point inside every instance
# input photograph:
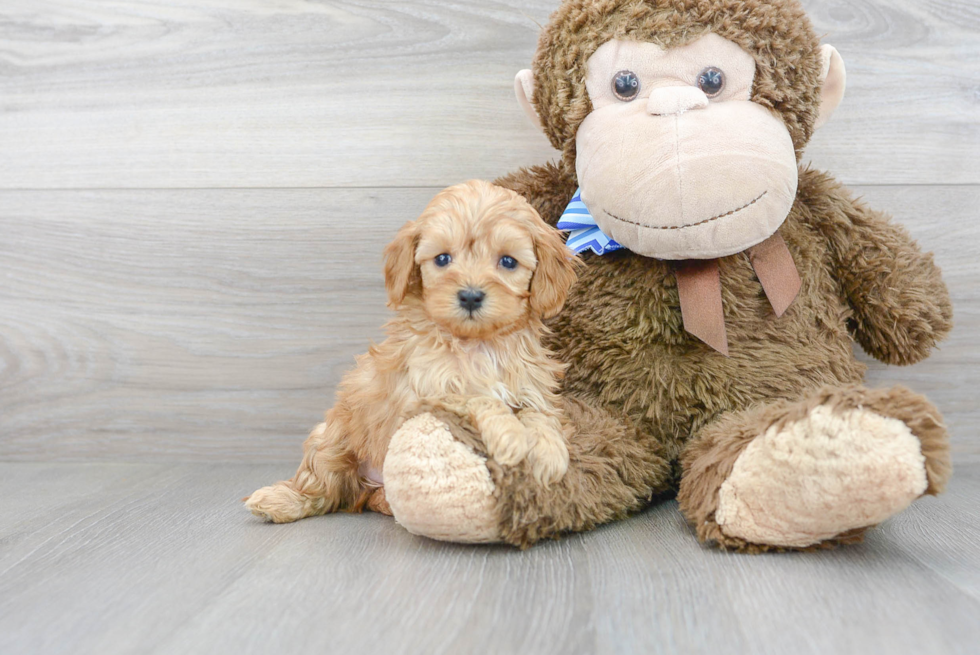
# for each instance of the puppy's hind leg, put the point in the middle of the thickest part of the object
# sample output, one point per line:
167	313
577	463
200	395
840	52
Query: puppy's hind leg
325	482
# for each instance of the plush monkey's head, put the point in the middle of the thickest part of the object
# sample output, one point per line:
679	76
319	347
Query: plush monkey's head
683	120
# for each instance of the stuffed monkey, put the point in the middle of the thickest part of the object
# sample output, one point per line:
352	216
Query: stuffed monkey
709	338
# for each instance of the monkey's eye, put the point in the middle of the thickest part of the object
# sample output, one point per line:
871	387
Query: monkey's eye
711	81
508	262
443	259
626	85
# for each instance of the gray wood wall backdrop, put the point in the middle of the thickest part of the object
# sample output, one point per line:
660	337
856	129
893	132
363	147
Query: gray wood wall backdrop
194	195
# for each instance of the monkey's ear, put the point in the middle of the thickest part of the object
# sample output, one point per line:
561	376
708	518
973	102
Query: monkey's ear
524	89
833	79
402	275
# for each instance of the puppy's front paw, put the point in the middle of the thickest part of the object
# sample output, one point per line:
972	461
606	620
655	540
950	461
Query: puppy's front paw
506	439
549	459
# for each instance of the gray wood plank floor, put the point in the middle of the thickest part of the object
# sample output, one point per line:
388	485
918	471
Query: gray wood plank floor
148	558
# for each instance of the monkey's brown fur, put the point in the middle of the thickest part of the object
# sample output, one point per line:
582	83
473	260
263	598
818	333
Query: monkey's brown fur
640	388
621	334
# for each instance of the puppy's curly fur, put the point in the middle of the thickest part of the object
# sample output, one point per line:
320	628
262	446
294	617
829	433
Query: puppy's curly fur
471	279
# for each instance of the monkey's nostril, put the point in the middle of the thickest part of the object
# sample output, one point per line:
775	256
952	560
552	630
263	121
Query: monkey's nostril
471	299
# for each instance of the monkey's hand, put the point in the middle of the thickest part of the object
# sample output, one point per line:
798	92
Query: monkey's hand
900	302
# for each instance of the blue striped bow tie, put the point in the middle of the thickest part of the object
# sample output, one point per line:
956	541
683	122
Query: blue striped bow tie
583	231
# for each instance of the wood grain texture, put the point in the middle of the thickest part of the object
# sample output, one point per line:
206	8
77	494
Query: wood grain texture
160	559
295	93
159	318
208	324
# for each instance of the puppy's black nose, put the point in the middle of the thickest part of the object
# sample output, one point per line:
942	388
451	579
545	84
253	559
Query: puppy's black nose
470	299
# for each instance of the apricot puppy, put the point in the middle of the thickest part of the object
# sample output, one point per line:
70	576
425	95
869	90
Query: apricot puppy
471	280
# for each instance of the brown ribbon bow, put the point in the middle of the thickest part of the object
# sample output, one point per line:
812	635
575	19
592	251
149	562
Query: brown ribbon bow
699	287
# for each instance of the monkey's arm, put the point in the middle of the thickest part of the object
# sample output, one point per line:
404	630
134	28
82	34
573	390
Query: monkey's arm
546	187
901	305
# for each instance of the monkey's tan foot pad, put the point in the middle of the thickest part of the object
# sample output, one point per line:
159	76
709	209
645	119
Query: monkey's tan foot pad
438	487
819	477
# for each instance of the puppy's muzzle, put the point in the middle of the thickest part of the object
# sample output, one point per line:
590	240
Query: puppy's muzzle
471	299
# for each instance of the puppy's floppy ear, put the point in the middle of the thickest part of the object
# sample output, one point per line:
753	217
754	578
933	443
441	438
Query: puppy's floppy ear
555	273
402	275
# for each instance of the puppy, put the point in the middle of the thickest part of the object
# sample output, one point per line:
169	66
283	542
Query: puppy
471	280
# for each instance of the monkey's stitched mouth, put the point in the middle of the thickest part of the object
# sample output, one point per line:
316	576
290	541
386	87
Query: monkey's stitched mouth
681	227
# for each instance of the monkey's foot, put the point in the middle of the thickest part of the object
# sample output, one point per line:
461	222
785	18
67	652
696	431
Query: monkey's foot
437	486
816	472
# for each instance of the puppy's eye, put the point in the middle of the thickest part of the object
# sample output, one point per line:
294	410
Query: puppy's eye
625	85
711	80
508	262
443	259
